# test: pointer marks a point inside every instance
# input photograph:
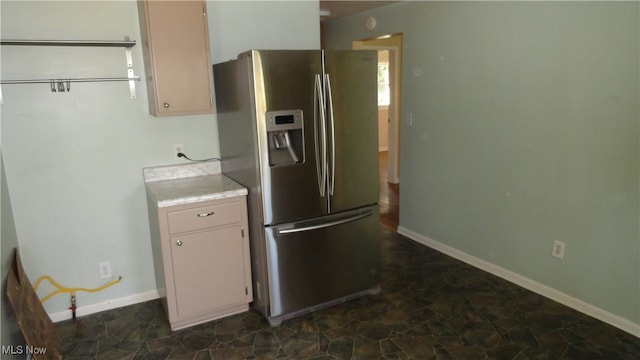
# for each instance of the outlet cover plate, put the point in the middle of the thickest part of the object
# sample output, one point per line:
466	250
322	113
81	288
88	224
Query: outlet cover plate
558	249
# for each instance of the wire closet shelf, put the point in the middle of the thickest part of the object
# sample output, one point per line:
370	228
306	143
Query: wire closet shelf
64	85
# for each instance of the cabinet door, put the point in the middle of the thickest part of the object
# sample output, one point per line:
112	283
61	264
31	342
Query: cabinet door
208	269
178	53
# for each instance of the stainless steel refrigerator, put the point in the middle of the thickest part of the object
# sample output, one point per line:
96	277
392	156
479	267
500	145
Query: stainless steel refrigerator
298	128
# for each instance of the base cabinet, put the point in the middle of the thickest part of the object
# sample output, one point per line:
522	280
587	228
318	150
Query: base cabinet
202	260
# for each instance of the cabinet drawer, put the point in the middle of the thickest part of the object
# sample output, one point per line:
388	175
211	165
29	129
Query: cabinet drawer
204	217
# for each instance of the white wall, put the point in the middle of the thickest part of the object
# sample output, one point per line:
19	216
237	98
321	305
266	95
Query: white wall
73	160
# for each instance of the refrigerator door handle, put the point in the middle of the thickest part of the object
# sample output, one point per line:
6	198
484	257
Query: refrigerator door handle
321	154
332	176
326	225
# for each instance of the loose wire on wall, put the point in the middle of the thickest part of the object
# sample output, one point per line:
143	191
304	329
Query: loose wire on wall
180	154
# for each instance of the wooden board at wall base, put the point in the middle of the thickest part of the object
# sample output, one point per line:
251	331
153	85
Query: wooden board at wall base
37	328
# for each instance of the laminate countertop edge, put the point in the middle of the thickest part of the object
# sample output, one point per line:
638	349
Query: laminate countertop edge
189	186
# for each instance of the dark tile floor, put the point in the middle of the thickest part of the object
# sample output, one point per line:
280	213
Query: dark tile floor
431	307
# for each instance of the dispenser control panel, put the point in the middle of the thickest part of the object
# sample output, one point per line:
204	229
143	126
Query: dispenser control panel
284	120
285	137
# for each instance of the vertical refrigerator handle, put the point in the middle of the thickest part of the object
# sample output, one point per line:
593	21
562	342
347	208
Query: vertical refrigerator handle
321	154
332	176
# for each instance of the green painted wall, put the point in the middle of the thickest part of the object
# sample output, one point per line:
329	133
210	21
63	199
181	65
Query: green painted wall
74	160
525	130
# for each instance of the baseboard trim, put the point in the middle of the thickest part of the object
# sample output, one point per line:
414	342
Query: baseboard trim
532	285
107	305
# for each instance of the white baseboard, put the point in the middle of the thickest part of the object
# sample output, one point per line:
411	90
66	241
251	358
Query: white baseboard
541	289
107	305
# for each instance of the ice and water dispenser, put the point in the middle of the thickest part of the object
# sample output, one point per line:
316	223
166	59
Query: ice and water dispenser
286	137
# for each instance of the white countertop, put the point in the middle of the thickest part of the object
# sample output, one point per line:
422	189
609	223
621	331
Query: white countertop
190	183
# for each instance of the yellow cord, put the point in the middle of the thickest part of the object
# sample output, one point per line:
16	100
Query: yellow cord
62	289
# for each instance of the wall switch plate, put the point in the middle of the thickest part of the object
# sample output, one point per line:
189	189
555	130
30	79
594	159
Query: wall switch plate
558	249
409	119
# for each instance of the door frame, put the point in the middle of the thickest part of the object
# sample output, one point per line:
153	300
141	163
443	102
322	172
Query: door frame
393	44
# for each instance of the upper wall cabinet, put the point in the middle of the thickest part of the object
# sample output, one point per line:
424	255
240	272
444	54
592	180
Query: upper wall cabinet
175	42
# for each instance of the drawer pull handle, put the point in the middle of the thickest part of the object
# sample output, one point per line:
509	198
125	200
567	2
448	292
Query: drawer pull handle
179	242
206	214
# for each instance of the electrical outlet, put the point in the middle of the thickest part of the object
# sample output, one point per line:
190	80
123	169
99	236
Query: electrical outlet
558	249
178	148
105	270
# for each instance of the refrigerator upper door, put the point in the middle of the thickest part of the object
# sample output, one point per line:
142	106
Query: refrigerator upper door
284	84
352	102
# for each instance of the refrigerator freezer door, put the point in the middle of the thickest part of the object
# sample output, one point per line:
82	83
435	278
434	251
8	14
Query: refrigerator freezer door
322	261
353	122
283	81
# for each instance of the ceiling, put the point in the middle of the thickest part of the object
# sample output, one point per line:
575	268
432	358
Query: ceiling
338	9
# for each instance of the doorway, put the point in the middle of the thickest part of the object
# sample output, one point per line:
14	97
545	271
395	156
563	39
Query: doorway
389	49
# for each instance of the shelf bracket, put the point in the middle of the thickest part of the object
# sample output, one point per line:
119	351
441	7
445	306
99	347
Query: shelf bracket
130	74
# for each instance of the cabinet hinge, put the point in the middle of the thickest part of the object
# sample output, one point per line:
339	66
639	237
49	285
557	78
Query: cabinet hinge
246	290
204	9
210	99
242	231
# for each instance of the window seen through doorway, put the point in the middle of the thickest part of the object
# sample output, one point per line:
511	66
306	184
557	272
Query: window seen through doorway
384	91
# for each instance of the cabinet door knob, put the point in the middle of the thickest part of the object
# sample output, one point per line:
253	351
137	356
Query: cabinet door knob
179	242
166	105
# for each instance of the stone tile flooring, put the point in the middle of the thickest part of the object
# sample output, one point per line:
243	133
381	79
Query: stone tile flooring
431	307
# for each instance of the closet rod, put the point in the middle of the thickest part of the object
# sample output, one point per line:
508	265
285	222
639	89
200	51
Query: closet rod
111	43
48	81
